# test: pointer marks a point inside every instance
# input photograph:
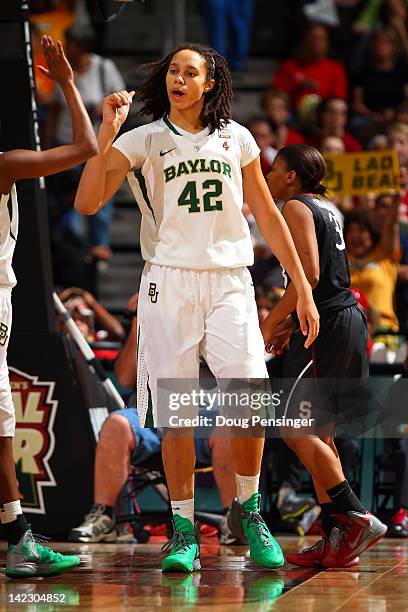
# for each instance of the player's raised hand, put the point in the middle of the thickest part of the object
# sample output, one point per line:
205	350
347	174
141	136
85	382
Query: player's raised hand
59	68
116	107
308	319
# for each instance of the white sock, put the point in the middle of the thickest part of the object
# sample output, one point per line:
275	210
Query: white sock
184	508
246	486
10	511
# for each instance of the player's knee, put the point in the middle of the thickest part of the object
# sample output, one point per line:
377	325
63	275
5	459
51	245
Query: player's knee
116	429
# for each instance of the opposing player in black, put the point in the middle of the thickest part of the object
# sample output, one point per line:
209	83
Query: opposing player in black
339	352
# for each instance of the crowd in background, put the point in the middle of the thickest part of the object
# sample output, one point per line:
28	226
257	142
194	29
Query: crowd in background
358	101
342	88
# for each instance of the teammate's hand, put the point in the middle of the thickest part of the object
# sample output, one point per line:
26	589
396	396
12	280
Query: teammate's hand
133	301
59	68
279	340
116	107
308	319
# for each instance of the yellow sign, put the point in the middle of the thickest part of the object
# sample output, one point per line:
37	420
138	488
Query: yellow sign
357	174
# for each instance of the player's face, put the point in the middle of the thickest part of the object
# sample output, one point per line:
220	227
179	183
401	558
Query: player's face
186	80
280	179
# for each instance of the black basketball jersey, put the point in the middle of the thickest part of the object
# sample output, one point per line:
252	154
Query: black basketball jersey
332	292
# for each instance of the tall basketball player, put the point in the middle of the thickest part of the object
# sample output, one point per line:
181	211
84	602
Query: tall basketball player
188	170
26	556
339	352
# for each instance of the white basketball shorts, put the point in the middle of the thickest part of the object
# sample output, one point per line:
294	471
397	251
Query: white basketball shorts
184	313
7	413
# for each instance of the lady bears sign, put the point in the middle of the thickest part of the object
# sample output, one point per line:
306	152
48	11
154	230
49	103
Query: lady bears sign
34	441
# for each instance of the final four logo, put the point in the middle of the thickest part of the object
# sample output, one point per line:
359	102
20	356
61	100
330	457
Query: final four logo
34	441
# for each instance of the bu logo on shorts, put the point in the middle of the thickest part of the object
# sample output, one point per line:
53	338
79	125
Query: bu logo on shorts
3	334
153	293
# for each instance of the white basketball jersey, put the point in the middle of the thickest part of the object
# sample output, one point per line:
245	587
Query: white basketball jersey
189	190
8	236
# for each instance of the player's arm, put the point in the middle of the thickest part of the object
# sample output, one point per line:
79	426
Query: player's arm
301	225
276	233
24	164
104	173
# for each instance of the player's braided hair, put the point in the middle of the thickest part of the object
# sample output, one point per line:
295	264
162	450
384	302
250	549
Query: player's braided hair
217	105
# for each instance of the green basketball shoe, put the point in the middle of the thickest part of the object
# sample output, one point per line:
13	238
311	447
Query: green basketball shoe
29	558
184	547
245	522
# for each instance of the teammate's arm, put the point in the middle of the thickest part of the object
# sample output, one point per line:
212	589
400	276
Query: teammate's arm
104	173
126	362
276	233
301	225
23	164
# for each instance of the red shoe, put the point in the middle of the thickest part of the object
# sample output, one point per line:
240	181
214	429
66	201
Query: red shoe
358	532
314	556
398	527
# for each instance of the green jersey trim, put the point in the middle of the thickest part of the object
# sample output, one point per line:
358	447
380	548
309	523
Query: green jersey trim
170	125
10	211
142	184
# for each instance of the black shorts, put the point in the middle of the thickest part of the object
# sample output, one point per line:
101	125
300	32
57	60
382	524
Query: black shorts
328	381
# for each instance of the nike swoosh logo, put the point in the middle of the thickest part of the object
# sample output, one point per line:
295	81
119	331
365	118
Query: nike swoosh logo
162	153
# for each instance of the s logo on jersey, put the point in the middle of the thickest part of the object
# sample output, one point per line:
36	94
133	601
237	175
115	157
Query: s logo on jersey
34	441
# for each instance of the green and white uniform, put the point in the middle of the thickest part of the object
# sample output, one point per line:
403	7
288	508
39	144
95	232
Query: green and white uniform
8	237
196	294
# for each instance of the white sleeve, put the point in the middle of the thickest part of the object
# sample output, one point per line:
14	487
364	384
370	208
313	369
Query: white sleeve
249	148
134	145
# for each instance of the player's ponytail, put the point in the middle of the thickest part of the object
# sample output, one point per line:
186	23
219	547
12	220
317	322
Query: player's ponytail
319	189
217	104
309	165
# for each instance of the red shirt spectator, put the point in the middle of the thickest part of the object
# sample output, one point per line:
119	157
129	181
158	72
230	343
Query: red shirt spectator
351	145
312	72
293	137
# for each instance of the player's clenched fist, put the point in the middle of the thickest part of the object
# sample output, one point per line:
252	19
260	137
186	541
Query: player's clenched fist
116	107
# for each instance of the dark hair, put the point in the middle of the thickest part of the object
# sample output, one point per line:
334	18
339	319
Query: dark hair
82	35
309	165
391	34
217	105
257	119
324	107
271	92
314	25
361	218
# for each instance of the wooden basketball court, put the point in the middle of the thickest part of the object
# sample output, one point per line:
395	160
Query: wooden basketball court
127	577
